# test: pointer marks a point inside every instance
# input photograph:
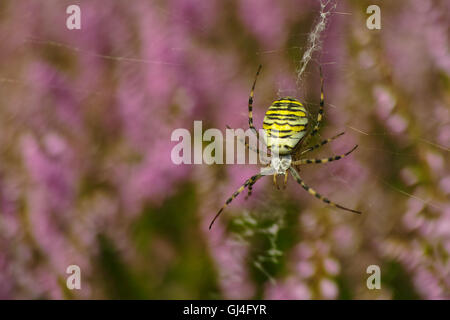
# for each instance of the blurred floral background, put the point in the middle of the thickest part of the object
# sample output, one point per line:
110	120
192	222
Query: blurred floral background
86	178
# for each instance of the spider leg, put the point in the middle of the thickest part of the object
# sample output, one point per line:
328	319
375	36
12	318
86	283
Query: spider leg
317	195
250	104
322	102
275	183
321	143
285	180
324	160
250	188
252	180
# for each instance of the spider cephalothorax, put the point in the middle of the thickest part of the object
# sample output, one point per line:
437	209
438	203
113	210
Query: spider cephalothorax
285	132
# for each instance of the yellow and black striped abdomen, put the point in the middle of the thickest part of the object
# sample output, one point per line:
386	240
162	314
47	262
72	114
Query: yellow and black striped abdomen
285	125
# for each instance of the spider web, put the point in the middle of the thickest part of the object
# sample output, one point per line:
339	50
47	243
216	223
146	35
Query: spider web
315	45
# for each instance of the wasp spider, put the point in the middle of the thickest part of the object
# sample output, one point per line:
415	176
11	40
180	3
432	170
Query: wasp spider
285	129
